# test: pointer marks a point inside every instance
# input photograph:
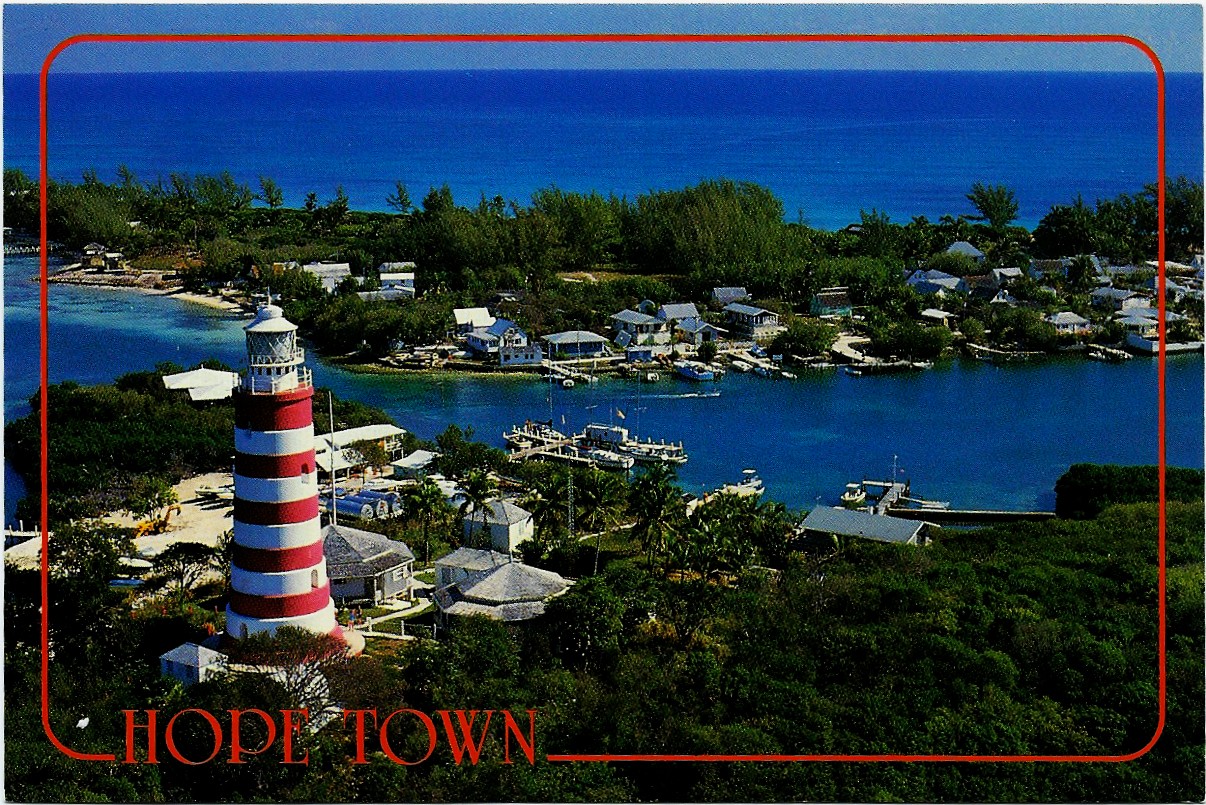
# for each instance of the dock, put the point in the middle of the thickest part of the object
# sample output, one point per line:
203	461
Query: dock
971	516
895	490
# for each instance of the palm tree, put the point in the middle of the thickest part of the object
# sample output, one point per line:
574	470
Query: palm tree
599	494
426	504
658	507
478	489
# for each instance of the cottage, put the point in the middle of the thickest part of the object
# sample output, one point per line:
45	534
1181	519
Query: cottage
934	281
933	314
752	322
1068	323
1118	299
633	328
1141	326
1007	276
575	344
823	522
190	663
506	525
965	248
364	566
485	340
348	460
414	466
697	331
726	296
831	302
329	274
673	312
472	582
469	319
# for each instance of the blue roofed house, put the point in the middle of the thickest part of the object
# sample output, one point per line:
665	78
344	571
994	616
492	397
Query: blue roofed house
505	341
575	344
725	296
966	249
933	281
697	331
674	312
752	322
639	329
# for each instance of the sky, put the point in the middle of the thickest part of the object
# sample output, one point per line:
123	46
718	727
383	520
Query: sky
32	30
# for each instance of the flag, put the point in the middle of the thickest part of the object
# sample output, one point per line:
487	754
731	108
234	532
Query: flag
620	414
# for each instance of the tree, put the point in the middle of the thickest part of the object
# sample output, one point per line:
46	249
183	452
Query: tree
400	199
153	496
184	564
426	504
658	507
301	661
995	204
706	351
478	489
804	337
371	453
270	193
1065	230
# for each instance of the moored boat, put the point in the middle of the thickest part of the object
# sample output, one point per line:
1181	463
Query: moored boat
693	370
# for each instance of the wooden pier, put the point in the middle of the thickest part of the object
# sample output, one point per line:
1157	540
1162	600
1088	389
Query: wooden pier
970	516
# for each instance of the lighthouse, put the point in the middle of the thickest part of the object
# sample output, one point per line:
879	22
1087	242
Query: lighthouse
278	575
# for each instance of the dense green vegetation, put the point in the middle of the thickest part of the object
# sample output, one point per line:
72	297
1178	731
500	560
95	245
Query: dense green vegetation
1086	489
1035	638
665	245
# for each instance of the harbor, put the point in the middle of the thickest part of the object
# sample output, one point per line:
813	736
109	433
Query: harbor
608	447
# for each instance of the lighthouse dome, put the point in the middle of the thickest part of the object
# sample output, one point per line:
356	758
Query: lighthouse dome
270	319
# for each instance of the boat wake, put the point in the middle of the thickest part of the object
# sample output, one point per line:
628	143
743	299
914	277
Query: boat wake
687	396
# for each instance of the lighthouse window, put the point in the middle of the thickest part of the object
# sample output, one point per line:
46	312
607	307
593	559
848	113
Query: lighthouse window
313	578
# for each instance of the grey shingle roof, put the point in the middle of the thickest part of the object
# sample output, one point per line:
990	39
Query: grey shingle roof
745	310
575	337
678	311
963	247
514	582
861	524
473	559
633	317
192	654
352	553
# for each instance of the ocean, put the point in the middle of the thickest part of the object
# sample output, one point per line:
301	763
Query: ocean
829	144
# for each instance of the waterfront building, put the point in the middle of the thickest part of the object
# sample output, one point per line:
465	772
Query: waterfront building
824	522
752	322
278	575
641	329
575	344
1068	323
364	566
505	524
469	319
697	331
504	341
831	302
933	314
329	274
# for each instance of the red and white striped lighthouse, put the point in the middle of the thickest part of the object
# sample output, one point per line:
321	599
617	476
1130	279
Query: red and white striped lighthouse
278	575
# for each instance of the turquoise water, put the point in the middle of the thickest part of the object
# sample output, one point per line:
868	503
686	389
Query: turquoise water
965	432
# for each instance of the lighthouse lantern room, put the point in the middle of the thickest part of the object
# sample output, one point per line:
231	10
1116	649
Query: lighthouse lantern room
278	573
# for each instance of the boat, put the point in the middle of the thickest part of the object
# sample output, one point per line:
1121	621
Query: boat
531	433
854	497
651	377
750	485
787	375
854	372
567	383
616	438
693	370
740	366
922	364
607	459
762	371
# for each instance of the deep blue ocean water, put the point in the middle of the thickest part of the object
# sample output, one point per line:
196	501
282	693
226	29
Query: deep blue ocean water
965	432
829	144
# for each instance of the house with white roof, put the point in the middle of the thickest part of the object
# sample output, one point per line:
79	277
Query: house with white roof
203	384
469	319
505	525
329	274
674	312
966	249
824	522
752	322
190	663
697	331
348	460
935	282
1118	299
1068	323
